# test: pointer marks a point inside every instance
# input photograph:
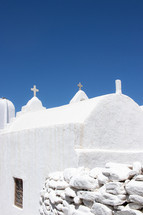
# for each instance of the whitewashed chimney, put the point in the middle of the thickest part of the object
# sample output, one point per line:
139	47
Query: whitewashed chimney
118	87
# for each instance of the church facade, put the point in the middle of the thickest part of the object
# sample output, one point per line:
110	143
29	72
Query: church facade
86	132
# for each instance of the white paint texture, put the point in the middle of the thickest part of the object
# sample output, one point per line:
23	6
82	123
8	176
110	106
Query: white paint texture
85	133
118	195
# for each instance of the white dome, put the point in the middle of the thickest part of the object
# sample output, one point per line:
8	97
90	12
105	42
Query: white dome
33	104
7	112
79	96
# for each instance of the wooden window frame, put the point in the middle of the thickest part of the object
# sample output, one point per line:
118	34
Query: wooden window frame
18	193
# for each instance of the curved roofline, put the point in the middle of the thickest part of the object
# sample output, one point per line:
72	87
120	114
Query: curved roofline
70	113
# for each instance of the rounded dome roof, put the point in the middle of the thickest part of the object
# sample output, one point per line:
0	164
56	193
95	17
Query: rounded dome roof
4	101
79	96
33	104
7	111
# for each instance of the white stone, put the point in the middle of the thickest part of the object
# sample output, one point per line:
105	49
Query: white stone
52	184
46	202
128	212
137	167
69	210
100	209
46	212
60	213
58	184
65	203
69	199
87	203
102	179
135	188
84	209
95	172
69	173
77	200
54	199
56	176
41	200
46	196
117	165
83	182
109	199
87	195
133	206
139	178
136	199
41	211
59	207
119	208
70	192
79	212
42	193
63	196
117	173
59	192
115	188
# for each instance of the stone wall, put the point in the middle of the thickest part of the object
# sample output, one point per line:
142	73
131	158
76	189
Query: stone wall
116	189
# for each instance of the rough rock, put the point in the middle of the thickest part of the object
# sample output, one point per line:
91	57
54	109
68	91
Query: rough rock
70	192
100	209
58	184
69	173
83	182
88	204
134	188
56	176
115	188
121	173
133	206
109	199
54	199
137	167
77	200
138	178
136	199
82	191
102	179
94	173
84	209
87	195
128	212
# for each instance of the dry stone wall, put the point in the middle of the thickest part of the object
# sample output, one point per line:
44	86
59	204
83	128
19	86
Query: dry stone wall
116	189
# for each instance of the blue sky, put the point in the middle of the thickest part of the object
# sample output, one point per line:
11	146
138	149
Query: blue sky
56	44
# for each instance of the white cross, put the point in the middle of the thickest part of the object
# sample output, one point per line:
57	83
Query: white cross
80	86
34	90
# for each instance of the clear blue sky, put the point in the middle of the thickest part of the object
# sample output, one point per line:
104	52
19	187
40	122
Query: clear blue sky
57	43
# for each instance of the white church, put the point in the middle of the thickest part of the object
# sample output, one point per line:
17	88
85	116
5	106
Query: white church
85	132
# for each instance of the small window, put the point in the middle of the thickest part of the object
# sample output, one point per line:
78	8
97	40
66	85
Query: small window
18	192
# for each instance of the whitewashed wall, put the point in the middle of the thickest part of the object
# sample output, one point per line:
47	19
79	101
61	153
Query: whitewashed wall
88	133
30	155
113	131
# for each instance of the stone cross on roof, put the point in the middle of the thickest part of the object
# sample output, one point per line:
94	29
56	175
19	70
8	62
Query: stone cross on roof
34	90
80	86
